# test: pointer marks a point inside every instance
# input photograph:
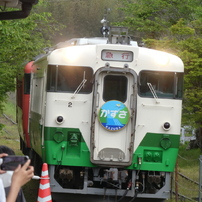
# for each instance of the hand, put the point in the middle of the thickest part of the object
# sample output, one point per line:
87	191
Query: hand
2	155
23	174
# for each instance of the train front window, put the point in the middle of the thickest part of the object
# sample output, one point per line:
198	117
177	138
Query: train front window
115	88
164	84
69	79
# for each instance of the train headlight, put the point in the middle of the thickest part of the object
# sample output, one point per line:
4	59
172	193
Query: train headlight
162	58
148	156
166	126
59	120
71	54
157	157
153	156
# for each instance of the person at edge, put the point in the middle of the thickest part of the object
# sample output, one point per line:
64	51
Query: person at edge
20	177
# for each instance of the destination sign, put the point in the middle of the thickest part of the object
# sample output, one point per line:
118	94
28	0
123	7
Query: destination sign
119	56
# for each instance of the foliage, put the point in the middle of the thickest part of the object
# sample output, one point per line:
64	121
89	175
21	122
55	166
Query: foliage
152	18
20	41
82	17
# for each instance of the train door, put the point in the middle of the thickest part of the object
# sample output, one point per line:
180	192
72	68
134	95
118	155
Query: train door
113	118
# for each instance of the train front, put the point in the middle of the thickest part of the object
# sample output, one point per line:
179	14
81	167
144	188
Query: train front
112	115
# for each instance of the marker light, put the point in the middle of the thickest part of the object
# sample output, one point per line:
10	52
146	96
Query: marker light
58	136
166	126
59	120
165	142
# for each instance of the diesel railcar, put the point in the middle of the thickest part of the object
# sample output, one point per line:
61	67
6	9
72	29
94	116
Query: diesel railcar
105	114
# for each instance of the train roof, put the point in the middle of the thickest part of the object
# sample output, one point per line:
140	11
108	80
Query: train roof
79	42
116	35
88	41
118	38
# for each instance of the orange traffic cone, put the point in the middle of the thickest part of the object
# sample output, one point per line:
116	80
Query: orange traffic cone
44	194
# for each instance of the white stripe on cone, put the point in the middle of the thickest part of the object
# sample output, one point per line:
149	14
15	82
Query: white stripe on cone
44	173
44	186
45	199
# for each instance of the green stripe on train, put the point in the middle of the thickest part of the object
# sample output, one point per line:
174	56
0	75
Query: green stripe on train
66	146
156	152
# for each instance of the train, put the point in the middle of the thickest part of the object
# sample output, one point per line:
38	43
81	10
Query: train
105	114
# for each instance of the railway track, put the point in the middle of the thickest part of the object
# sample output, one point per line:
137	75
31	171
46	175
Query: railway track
10	127
9	119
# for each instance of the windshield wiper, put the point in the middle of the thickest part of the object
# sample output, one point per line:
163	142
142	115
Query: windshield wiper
80	86
153	92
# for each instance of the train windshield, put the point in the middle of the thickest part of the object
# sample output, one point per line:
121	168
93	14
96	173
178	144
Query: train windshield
162	84
115	88
69	79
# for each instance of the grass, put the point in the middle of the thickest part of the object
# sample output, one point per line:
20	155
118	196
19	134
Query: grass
9	135
188	165
188	161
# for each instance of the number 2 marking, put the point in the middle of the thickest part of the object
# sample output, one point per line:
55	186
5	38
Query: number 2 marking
69	104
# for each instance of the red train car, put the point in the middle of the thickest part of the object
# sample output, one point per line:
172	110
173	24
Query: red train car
23	98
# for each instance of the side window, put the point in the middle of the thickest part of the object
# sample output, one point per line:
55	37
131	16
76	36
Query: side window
164	84
27	79
51	78
115	88
179	84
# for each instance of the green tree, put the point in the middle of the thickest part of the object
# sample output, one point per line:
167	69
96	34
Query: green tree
82	17
20	41
153	18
